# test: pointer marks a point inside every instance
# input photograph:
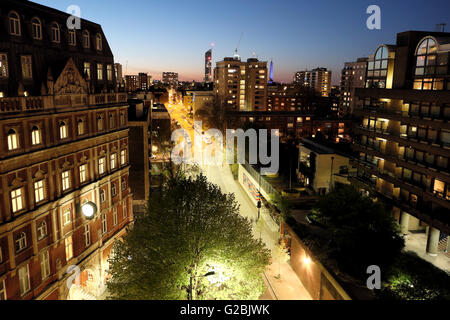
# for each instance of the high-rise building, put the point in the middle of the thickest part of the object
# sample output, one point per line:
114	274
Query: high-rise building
119	74
403	137
131	83
353	76
64	195
318	79
143	81
241	86
170	78
208	66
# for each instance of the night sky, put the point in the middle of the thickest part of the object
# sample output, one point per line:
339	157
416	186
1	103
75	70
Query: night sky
156	36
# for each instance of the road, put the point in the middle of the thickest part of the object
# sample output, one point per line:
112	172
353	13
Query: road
286	287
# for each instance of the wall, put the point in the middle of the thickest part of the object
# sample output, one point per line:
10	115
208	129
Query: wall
320	284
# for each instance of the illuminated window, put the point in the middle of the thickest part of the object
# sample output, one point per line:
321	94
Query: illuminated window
63	130
67	217
377	69
36	28
3	65
69	248
39	191
100	123
24	279
87	70
80	127
45	265
83	173
109	72
431	66
14	24
35	136
100	71
13	140
101	166
123	157
17	200
65	177
27	69
113	160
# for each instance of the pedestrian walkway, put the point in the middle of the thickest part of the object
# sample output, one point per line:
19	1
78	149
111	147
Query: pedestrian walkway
286	287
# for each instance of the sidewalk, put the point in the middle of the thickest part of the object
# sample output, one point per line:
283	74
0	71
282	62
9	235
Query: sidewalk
289	286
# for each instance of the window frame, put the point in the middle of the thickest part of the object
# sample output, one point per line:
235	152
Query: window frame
26	63
44	259
21	242
16	22
24	287
55	32
68	246
36	28
65	180
13	140
72	38
86	39
39	191
17	200
42	230
4	70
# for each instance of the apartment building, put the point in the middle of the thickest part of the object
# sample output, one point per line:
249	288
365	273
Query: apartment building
170	78
353	76
318	79
131	83
403	137
241	85
64	195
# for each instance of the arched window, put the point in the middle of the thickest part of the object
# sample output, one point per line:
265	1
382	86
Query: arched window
42	230
102	196
100	123
80	127
377	69
21	242
99	42
13	140
56	33
112	121
35	136
36	27
122	119
430	66
86	42
14	24
63	130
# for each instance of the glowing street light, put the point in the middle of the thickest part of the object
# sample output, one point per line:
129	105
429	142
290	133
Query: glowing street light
89	209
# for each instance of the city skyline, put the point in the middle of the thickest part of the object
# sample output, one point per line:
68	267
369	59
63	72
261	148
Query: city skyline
296	40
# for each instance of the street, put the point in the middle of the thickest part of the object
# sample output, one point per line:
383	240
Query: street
287	286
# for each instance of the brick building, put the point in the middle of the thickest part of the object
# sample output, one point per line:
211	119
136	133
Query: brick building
63	143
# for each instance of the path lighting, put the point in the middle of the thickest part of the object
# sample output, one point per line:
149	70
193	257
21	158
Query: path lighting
89	209
307	260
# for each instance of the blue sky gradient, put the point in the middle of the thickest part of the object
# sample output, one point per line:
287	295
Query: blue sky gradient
155	36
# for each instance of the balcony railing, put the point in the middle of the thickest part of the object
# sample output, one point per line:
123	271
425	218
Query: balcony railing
40	103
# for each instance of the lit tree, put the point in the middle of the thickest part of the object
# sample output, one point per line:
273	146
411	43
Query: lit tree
191	244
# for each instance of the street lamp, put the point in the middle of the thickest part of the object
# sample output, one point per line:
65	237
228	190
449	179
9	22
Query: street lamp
89	209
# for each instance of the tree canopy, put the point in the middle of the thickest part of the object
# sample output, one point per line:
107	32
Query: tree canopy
190	244
361	232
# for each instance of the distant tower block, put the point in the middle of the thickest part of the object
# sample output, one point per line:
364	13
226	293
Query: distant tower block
271	72
208	66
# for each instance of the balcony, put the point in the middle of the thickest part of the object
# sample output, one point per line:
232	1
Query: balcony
14	105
